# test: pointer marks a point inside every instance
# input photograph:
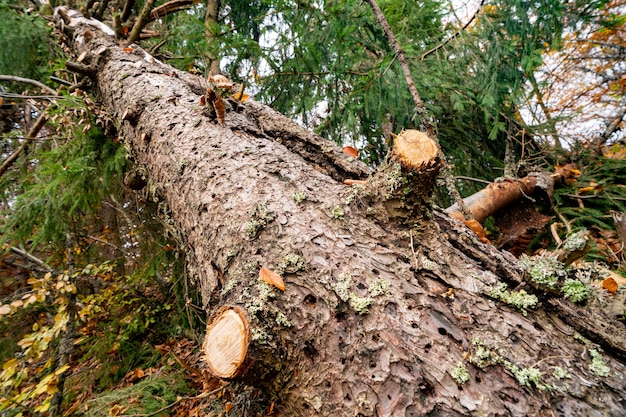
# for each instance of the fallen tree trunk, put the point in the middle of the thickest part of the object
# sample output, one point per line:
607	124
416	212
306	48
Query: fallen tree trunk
385	309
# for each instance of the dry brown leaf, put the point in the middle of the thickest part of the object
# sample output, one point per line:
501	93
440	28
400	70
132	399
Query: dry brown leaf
610	285
218	105
228	407
350	151
353	182
272	278
478	229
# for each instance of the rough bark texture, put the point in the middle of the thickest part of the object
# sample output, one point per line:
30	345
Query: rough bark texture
378	311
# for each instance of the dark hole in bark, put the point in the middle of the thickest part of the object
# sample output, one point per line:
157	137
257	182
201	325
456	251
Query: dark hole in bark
372	364
442	331
427	347
340	315
360	286
327	384
305	405
388	396
347	397
310	300
477	379
414	325
508	398
375	337
538	326
426	389
310	350
375	272
391	309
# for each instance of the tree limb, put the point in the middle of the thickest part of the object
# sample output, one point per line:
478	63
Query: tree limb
141	22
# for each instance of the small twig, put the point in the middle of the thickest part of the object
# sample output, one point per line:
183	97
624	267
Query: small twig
108	243
32	258
41	121
456	34
462	177
36	83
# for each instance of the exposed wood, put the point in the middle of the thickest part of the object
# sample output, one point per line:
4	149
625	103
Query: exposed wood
415	150
494	197
503	193
226	342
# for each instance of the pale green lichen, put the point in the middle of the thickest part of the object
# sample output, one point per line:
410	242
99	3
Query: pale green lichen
232	283
379	287
526	376
356	190
483	356
299	197
260	337
394	178
282	320
259	302
597	365
576	242
259	218
560	373
575	290
518	299
428	264
181	166
292	263
460	374
253	227
343	286
338	212
360	304
543	270
230	255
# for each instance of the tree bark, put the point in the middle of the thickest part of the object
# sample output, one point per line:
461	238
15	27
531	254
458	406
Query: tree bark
385	299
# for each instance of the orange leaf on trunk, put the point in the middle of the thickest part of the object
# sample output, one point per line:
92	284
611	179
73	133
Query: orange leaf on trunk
272	278
610	285
350	151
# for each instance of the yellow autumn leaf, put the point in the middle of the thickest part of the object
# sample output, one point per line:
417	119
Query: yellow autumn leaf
43	407
10	365
61	369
